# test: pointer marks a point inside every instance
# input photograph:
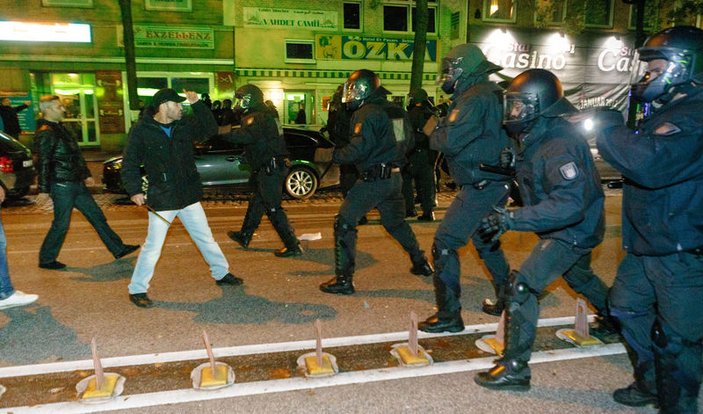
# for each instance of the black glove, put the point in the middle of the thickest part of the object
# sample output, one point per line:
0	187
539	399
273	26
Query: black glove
507	158
495	224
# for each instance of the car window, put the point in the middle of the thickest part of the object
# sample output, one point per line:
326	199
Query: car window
298	140
217	144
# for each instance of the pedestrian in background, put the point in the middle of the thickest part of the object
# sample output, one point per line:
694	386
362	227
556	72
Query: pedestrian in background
162	144
374	150
9	116
420	167
64	174
470	135
9	297
658	288
563	200
265	150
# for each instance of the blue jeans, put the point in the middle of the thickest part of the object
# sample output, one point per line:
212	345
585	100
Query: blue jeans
6	289
194	220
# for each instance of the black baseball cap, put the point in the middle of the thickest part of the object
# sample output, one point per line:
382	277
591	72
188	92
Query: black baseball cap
165	95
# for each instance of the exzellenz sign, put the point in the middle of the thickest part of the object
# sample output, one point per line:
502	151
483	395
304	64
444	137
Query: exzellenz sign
594	68
174	37
266	17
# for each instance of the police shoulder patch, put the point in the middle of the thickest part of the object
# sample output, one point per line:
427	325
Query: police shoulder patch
569	170
357	128
666	129
248	120
454	115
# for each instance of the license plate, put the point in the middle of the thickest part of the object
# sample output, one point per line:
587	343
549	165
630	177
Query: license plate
27	163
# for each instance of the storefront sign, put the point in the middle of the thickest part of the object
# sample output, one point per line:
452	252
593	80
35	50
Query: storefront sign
45	32
67	3
169	5
593	68
110	95
266	17
371	48
174	37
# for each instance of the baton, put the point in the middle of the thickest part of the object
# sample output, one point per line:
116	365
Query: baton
148	207
509	172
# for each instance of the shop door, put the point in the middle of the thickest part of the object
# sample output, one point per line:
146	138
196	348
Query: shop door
77	94
299	108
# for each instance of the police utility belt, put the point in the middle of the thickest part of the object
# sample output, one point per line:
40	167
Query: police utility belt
274	164
379	172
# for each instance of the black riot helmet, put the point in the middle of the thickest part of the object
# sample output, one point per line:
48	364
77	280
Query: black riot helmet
417	96
533	93
461	62
360	85
670	60
248	96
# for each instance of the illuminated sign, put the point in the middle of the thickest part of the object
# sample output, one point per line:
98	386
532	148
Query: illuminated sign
266	17
174	37
67	3
370	48
168	5
45	32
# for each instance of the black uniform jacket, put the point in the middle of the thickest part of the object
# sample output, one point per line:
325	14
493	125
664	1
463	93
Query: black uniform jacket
560	186
662	205
262	137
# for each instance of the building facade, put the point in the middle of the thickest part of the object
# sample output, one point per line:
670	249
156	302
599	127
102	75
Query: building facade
297	52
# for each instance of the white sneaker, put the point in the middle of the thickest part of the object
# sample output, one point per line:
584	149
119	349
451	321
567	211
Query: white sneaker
17	299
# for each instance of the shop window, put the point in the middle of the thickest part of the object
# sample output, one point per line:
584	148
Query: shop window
651	16
550	12
299	51
352	15
499	10
599	13
400	18
199	85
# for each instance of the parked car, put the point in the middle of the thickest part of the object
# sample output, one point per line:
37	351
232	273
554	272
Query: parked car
222	165
16	167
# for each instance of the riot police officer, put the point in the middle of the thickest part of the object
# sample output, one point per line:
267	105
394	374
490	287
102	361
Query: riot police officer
563	203
421	159
375	151
659	284
468	136
265	150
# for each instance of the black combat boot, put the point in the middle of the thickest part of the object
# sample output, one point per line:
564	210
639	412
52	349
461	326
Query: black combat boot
448	316
341	285
507	374
641	392
295	250
422	267
495	308
241	237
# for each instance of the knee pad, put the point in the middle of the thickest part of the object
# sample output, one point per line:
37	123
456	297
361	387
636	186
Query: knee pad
342	226
441	254
666	340
518	291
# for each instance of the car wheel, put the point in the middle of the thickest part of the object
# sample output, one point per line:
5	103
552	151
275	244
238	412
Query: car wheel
301	182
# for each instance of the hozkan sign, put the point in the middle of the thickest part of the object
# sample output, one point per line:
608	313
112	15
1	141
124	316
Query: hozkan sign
369	48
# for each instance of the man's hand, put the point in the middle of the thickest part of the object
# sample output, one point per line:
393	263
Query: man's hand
138	199
191	97
2	194
430	125
495	224
507	158
89	182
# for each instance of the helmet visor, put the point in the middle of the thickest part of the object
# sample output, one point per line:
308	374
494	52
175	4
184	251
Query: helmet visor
242	101
655	71
520	107
450	72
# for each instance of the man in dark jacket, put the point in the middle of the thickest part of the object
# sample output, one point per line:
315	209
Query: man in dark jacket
420	167
64	174
375	152
9	116
563	203
162	142
468	136
265	150
658	288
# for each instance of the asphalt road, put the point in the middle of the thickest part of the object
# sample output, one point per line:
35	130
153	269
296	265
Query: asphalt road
279	303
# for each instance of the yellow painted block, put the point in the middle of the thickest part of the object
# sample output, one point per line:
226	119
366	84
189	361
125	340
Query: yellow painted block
497	346
580	340
315	369
409	359
108	388
220	377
